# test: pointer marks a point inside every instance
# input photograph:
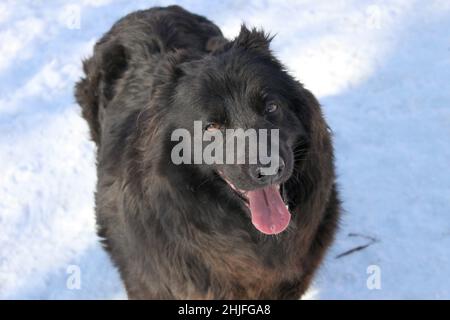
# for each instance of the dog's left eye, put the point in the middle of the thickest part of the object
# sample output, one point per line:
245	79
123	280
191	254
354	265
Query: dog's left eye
213	126
271	107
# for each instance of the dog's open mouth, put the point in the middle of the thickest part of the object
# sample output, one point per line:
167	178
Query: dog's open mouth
268	211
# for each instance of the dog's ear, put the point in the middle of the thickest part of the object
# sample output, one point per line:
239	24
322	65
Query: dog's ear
114	62
172	67
98	87
256	40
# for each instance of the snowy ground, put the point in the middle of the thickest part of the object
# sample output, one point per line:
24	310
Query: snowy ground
380	68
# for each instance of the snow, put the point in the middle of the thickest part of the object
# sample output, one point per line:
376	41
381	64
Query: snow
381	70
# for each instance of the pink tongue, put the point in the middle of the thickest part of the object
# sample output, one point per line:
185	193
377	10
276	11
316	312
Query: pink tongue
269	213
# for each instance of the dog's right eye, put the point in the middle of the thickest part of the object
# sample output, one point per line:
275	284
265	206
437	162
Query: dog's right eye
271	108
212	126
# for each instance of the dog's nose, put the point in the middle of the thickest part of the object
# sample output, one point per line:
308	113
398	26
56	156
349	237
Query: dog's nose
265	175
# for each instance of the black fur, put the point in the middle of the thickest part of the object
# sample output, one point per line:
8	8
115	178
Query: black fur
181	231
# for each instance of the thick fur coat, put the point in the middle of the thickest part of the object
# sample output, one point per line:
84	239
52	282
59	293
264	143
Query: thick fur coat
180	231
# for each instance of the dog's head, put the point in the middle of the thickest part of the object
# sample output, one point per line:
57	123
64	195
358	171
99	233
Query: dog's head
241	86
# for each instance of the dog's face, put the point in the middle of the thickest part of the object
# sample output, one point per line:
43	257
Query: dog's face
242	93
242	88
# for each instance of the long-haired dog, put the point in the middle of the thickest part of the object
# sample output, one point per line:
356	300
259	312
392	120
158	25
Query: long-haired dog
194	231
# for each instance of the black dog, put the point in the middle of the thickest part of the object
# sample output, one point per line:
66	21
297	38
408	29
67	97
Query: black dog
200	231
